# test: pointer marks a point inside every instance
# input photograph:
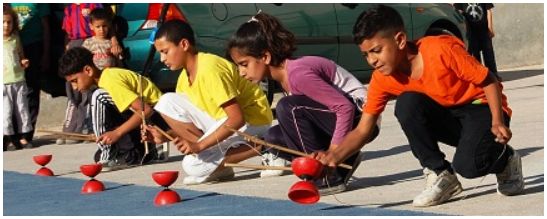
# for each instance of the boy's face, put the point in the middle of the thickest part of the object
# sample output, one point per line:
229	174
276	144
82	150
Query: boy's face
82	80
8	25
171	54
251	68
100	28
384	51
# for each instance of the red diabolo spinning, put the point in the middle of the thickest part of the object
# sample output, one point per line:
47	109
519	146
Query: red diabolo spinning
165	179
93	185
43	160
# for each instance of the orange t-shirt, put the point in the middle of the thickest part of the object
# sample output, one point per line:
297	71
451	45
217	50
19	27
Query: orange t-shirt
450	76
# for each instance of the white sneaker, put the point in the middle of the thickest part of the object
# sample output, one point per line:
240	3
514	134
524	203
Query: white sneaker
225	173
270	159
439	188
510	181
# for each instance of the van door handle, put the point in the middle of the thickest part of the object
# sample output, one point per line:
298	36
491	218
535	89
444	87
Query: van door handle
350	5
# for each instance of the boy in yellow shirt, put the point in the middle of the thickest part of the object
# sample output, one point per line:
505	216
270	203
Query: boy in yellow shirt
210	94
116	127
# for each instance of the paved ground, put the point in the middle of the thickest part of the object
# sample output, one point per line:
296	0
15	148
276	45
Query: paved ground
384	184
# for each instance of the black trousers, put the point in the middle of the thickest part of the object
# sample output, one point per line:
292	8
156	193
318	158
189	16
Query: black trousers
467	127
481	42
33	76
306	125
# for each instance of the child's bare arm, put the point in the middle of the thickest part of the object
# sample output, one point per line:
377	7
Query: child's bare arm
351	143
235	120
493	95
133	122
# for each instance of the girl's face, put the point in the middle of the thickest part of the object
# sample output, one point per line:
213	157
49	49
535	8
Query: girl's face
251	68
100	28
8	25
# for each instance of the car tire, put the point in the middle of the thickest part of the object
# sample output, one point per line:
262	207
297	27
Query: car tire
436	31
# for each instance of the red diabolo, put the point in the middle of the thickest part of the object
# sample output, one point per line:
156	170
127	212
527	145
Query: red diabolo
166	196
93	185
43	160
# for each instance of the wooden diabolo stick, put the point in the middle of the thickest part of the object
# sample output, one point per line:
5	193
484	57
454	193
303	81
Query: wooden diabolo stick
258	167
278	147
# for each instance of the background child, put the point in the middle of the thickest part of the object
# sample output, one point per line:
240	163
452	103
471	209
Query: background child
116	127
443	94
324	101
35	37
15	87
100	44
210	94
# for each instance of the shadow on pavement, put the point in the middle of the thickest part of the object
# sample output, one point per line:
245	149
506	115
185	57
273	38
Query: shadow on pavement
515	75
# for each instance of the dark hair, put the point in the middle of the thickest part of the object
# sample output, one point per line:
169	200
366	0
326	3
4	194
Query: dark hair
101	14
176	30
377	19
9	11
74	60
263	33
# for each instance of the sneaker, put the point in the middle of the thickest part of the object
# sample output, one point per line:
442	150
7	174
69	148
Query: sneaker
111	165
439	188
226	173
510	181
60	141
11	147
26	144
331	184
269	159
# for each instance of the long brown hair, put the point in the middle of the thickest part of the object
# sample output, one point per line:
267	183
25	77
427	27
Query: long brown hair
9	11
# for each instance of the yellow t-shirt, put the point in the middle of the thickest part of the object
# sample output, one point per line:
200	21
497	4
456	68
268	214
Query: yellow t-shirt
123	86
218	81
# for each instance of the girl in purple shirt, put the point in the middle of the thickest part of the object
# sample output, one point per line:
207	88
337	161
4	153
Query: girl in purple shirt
324	101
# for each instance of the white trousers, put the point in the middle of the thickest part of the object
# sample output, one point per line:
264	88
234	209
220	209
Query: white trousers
178	107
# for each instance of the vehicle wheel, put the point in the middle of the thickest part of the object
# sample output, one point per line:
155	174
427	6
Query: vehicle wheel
436	31
268	86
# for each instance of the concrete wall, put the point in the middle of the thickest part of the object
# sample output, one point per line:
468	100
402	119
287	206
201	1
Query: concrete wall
519	34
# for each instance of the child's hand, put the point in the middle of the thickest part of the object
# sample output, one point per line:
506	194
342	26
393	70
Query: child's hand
108	138
502	133
116	50
326	158
151	134
25	63
185	146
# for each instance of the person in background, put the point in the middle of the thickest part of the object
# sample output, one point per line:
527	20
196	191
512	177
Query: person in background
15	87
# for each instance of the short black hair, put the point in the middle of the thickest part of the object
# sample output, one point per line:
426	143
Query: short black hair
100	14
176	30
377	19
74	60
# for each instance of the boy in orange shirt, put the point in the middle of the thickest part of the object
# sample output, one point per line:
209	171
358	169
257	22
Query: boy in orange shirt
443	95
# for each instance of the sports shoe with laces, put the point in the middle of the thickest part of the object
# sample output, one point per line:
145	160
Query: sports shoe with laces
225	173
115	164
439	188
270	159
330	184
510	181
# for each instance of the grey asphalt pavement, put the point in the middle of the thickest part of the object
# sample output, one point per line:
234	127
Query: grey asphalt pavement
388	178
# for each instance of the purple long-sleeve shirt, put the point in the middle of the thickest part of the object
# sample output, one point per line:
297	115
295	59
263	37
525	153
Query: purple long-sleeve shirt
329	84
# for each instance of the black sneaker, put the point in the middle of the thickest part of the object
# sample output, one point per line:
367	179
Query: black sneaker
330	184
11	147
112	165
27	145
